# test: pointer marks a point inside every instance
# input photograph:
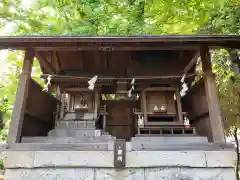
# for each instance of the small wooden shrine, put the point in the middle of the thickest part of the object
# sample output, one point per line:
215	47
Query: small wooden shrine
124	86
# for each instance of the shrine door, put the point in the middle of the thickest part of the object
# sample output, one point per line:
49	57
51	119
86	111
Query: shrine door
120	120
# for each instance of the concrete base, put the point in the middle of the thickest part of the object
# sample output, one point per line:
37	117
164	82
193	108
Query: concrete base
125	174
99	165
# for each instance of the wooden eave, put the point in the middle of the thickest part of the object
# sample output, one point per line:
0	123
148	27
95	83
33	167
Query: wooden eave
100	54
124	42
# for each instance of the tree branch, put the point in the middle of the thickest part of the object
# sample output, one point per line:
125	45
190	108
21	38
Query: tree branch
237	153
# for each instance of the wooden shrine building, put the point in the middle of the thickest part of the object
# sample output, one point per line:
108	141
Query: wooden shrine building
123	86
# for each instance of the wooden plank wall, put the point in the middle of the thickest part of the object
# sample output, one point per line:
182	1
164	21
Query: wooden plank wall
120	119
124	63
195	104
39	114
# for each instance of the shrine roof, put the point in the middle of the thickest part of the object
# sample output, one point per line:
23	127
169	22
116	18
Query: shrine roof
19	42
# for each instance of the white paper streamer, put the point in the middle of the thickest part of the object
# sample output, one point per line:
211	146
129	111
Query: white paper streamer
182	93
133	81
132	88
48	83
184	86
140	120
183	78
92	82
130	93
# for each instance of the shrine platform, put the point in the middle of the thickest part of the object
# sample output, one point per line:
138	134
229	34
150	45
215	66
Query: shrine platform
99	165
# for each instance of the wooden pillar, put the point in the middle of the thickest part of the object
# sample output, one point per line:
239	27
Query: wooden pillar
144	106
58	109
104	119
14	135
96	105
215	124
62	111
179	106
96	101
68	101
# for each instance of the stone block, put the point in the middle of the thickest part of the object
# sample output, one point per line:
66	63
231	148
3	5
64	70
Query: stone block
189	174
220	158
50	174
99	146
62	140
74	132
45	139
172	143
151	146
111	145
178	140
165	159
128	146
119	174
74	159
15	159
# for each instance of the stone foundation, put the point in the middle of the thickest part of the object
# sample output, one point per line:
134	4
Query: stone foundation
99	165
126	174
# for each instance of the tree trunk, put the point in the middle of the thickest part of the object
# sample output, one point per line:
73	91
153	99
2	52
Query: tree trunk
237	153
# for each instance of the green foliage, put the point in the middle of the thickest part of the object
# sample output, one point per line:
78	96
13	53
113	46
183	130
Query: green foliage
94	17
1	164
223	21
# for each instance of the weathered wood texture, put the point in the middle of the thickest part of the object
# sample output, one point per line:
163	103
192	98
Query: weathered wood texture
15	129
32	126
120	63
120	120
195	104
40	111
215	122
41	104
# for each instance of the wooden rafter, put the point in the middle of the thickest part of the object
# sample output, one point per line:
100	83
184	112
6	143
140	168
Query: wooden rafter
191	63
56	60
44	63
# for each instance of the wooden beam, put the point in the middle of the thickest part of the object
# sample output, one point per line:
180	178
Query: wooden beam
161	89
118	48
179	106
56	61
46	65
191	63
215	125
15	131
